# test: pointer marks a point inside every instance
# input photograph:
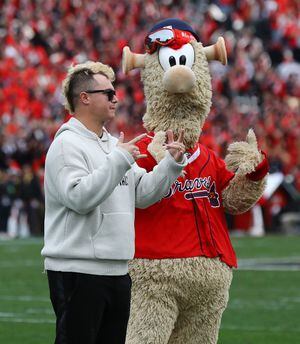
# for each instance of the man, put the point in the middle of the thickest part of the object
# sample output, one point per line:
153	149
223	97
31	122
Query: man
92	185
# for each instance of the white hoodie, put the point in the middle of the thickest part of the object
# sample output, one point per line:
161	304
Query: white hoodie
91	190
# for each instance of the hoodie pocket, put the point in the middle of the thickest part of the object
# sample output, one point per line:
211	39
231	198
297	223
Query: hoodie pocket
115	237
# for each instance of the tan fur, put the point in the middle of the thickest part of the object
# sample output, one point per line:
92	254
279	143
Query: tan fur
156	148
242	193
188	294
177	111
243	156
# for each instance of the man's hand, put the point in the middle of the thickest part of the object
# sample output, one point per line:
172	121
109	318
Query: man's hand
130	146
175	148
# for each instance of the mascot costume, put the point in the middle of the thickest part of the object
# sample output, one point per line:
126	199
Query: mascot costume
182	269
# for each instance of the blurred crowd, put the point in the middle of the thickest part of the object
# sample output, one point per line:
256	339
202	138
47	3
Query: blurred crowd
39	40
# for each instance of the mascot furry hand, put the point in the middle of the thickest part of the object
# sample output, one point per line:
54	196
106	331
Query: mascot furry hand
182	269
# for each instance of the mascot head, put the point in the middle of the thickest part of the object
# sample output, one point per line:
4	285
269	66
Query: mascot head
176	77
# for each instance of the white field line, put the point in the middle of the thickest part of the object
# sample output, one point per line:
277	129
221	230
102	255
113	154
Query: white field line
281	303
269	264
27	320
291	259
256	328
21	263
21	242
253	264
24	318
47	311
24	298
269	268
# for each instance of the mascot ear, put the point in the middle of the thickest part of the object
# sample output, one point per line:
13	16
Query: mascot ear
131	60
217	51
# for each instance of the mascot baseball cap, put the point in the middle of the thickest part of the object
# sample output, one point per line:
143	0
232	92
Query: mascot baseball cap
169	32
174	23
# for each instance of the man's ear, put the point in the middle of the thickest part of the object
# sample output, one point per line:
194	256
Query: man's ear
84	98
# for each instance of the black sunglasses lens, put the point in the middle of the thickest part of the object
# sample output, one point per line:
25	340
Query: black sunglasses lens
110	94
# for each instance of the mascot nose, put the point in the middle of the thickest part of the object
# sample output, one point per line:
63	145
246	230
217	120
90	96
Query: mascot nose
179	79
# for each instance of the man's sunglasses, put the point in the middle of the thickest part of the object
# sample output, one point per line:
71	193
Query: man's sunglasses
161	37
109	92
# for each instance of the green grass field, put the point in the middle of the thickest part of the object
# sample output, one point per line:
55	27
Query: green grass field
264	305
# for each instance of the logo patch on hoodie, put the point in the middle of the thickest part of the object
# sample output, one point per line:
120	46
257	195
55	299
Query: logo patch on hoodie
124	181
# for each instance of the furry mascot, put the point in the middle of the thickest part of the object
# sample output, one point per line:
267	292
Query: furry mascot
182	269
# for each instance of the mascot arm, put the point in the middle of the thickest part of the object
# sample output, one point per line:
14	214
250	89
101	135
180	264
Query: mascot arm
251	167
156	147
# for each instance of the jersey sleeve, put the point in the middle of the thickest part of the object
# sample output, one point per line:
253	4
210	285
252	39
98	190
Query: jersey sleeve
149	162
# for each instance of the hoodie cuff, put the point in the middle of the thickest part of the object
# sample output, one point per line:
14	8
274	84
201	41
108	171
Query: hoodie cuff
183	162
260	171
126	155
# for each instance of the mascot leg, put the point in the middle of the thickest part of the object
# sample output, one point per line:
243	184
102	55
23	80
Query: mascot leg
153	310
200	323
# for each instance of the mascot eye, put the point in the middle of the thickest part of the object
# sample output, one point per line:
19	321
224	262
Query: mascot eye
169	57
172	61
182	60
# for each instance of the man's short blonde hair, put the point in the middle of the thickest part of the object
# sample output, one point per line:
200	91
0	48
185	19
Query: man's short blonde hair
80	77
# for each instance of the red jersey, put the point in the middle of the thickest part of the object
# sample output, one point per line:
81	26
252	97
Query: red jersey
189	221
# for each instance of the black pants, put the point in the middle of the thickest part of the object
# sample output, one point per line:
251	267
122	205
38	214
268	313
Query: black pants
90	309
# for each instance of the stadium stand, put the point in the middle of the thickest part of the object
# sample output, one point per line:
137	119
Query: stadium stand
39	40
